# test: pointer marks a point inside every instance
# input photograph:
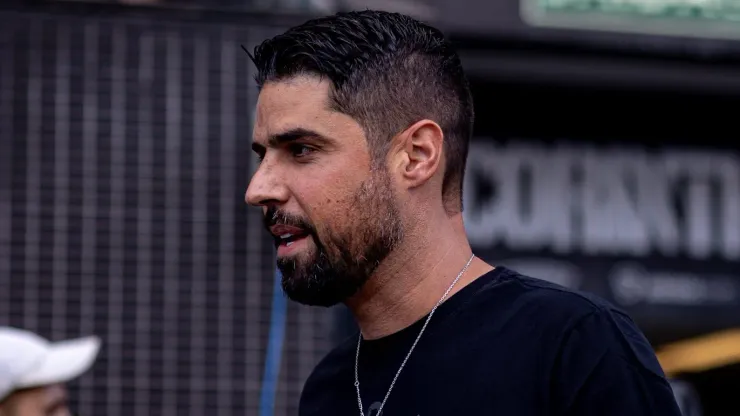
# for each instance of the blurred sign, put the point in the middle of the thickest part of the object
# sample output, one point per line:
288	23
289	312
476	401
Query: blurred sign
728	10
631	284
605	201
693	18
648	230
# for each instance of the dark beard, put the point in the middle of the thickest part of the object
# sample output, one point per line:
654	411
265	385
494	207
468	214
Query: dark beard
341	264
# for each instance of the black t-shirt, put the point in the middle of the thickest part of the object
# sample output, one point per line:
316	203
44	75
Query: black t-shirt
505	345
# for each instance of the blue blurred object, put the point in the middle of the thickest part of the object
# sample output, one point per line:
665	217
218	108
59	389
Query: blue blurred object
274	348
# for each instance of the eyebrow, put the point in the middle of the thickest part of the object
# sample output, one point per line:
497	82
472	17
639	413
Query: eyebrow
290	136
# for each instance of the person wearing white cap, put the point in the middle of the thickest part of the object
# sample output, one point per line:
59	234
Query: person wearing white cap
33	371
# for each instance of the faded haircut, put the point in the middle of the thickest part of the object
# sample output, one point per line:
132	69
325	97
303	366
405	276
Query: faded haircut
387	71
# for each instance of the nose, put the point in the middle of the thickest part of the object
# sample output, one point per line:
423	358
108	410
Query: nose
266	187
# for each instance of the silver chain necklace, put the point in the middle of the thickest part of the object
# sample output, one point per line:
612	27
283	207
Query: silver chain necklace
393	383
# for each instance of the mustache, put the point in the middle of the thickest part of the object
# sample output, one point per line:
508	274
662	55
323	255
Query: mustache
274	216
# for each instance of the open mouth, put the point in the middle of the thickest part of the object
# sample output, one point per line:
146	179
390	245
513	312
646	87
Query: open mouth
288	240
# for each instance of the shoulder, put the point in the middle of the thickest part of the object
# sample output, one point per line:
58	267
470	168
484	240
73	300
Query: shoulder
588	325
508	291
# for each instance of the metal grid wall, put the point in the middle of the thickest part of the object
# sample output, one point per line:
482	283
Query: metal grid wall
125	156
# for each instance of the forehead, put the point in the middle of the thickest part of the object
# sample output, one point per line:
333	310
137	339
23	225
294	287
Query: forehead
299	102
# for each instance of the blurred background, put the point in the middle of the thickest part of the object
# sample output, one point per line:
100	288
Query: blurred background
605	160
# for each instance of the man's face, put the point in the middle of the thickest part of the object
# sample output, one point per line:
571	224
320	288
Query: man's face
40	401
332	212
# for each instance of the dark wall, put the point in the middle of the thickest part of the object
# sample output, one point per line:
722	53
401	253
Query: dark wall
647	212
125	157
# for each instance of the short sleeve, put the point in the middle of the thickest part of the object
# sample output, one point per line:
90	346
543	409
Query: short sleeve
607	367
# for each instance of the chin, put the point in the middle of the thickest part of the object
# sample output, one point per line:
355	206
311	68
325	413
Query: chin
306	294
310	287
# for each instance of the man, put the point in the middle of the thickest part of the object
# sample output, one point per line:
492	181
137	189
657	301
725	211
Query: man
362	129
33	371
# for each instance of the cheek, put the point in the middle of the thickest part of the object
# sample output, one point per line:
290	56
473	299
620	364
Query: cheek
327	191
328	206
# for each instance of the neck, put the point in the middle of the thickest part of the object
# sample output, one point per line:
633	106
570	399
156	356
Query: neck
413	278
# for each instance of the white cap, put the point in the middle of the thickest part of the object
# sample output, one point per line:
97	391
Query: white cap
27	360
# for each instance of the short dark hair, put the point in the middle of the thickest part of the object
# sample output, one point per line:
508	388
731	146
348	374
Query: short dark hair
388	71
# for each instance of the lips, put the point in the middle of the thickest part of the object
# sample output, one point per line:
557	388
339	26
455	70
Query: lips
278	230
285	235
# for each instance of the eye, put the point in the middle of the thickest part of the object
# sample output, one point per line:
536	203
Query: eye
301	150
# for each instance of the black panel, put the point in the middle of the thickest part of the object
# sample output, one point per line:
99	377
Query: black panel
129	142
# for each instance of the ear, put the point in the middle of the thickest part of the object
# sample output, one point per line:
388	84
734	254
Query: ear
420	152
